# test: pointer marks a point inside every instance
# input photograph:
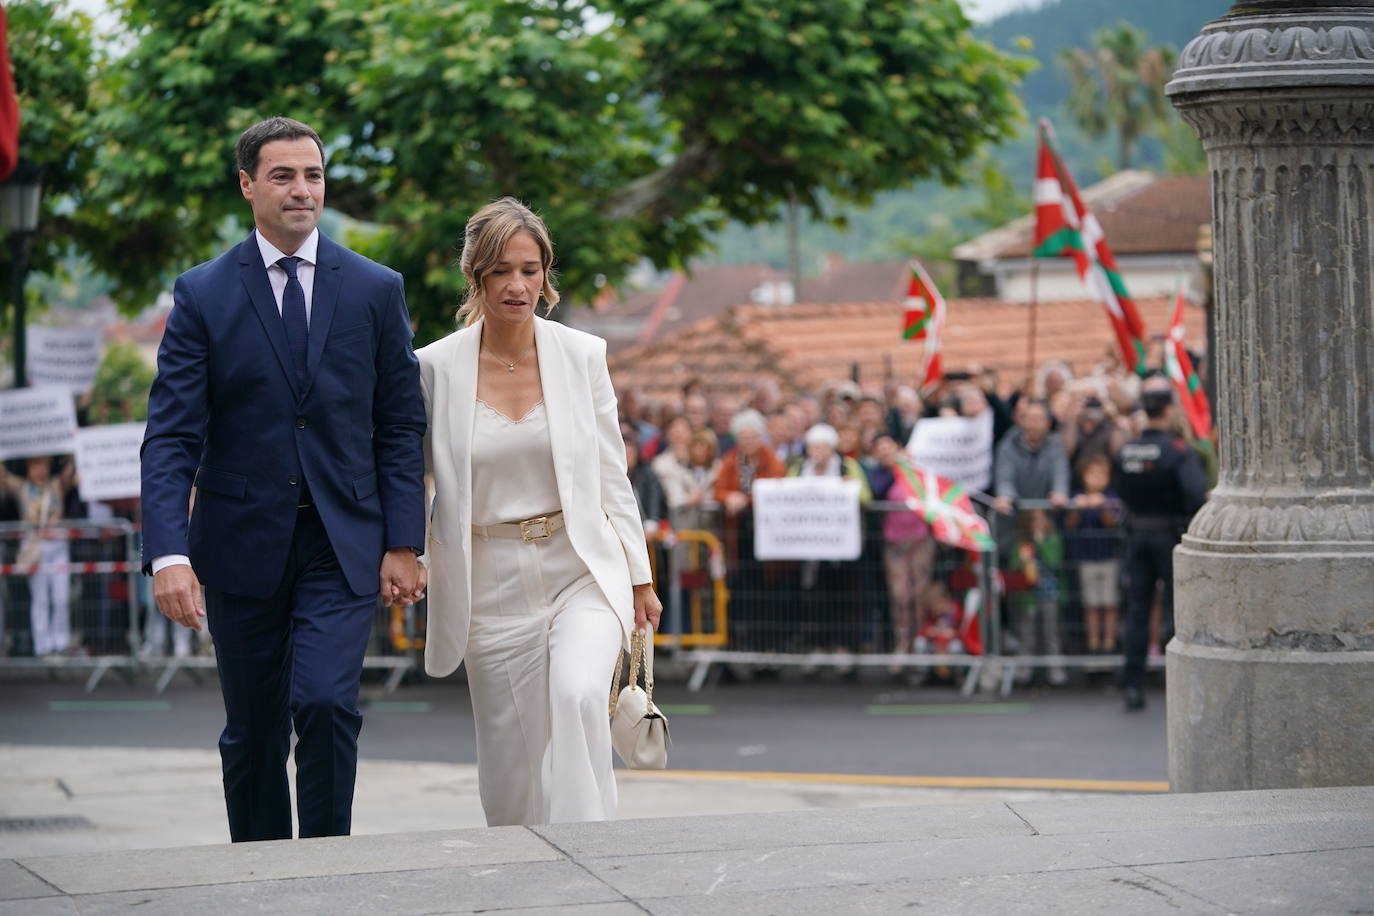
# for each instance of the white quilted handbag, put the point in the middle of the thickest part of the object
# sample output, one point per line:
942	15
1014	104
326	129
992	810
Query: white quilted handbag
639	732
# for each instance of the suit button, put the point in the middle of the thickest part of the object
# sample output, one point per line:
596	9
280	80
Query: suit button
292	480
300	423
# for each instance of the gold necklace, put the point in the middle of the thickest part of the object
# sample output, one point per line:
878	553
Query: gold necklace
509	364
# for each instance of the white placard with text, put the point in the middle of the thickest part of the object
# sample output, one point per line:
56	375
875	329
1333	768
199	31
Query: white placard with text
807	518
67	357
107	461
955	448
37	421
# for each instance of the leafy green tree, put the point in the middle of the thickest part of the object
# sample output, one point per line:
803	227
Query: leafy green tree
1183	152
637	127
54	62
122	382
1118	85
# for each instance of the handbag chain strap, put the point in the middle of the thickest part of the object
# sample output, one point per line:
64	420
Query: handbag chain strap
636	661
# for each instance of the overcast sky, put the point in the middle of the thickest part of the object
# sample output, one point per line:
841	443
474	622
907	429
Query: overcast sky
983	10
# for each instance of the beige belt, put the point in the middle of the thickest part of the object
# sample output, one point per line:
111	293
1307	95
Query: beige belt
531	529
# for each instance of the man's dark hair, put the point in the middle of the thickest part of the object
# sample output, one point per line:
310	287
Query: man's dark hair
251	141
1156	401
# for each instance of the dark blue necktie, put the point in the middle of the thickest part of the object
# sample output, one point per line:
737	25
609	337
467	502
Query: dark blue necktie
293	316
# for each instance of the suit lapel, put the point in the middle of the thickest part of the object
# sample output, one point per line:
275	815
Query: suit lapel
554	377
324	302
254	276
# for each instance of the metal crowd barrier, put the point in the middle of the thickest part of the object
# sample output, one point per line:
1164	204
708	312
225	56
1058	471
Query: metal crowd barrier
1088	580
729	608
98	607
1011	620
75	583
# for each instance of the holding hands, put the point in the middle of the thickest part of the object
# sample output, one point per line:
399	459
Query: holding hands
403	579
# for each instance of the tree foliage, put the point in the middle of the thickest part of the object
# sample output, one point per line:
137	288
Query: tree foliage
636	127
54	64
120	392
1118	86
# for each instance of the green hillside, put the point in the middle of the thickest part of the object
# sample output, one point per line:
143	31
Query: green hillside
928	218
1060	24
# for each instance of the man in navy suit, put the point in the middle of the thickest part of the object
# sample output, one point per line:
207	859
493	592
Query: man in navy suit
288	395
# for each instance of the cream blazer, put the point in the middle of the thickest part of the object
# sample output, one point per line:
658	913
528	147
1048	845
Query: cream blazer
599	508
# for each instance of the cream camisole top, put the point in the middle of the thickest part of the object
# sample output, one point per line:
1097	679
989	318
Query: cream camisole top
512	466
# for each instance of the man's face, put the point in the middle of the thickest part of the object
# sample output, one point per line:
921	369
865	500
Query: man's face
885	450
697	411
287	193
722	412
1035	422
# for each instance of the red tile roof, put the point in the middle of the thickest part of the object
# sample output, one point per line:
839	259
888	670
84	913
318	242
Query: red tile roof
806	345
1145	216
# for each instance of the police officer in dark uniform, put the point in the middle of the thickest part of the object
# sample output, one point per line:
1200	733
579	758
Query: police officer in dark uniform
1161	481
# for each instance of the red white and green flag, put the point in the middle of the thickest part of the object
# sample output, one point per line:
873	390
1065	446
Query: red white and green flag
1066	228
1179	366
945	506
924	319
9	107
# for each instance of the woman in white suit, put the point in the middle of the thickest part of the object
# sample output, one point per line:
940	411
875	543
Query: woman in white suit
537	561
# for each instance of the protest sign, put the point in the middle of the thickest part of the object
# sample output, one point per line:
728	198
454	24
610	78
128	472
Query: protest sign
107	461
37	421
67	357
956	448
807	518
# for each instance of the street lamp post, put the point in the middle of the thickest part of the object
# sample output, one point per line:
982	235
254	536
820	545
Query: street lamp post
19	198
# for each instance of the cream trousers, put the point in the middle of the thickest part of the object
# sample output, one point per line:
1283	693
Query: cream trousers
541	650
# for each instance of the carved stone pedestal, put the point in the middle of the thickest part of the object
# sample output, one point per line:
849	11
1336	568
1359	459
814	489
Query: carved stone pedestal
1271	671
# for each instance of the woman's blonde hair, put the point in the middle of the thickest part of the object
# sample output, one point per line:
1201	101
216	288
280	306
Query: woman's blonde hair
488	232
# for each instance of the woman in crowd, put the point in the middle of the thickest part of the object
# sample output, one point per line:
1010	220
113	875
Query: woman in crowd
689	482
750	460
908	548
536	554
832	600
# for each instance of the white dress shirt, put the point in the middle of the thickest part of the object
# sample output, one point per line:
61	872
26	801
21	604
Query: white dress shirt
305	270
276	276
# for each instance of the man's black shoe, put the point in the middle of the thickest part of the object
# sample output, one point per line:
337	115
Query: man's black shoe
1135	699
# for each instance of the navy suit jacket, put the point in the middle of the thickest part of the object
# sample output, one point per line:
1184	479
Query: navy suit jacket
227	415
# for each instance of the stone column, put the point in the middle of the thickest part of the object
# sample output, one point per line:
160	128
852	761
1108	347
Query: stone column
1271	671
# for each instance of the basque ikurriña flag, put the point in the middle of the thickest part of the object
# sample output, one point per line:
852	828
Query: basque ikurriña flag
1066	228
945	506
9	107
1179	366
924	319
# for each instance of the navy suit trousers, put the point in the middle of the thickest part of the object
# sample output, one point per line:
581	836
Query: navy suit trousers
292	660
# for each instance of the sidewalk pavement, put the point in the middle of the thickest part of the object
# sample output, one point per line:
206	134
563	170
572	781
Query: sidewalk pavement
126	798
1295	851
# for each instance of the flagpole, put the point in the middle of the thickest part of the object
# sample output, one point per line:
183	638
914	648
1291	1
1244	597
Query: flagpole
1034	304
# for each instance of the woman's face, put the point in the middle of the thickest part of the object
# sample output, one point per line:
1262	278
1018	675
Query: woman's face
749	440
699	454
510	290
679	433
820	453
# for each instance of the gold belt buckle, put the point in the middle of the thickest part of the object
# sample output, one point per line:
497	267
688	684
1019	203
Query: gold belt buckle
529	523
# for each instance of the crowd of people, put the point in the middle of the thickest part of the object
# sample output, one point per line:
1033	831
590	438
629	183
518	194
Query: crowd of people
693	459
58	526
1051	497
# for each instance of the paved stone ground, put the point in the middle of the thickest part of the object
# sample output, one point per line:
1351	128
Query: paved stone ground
143	798
1305	851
